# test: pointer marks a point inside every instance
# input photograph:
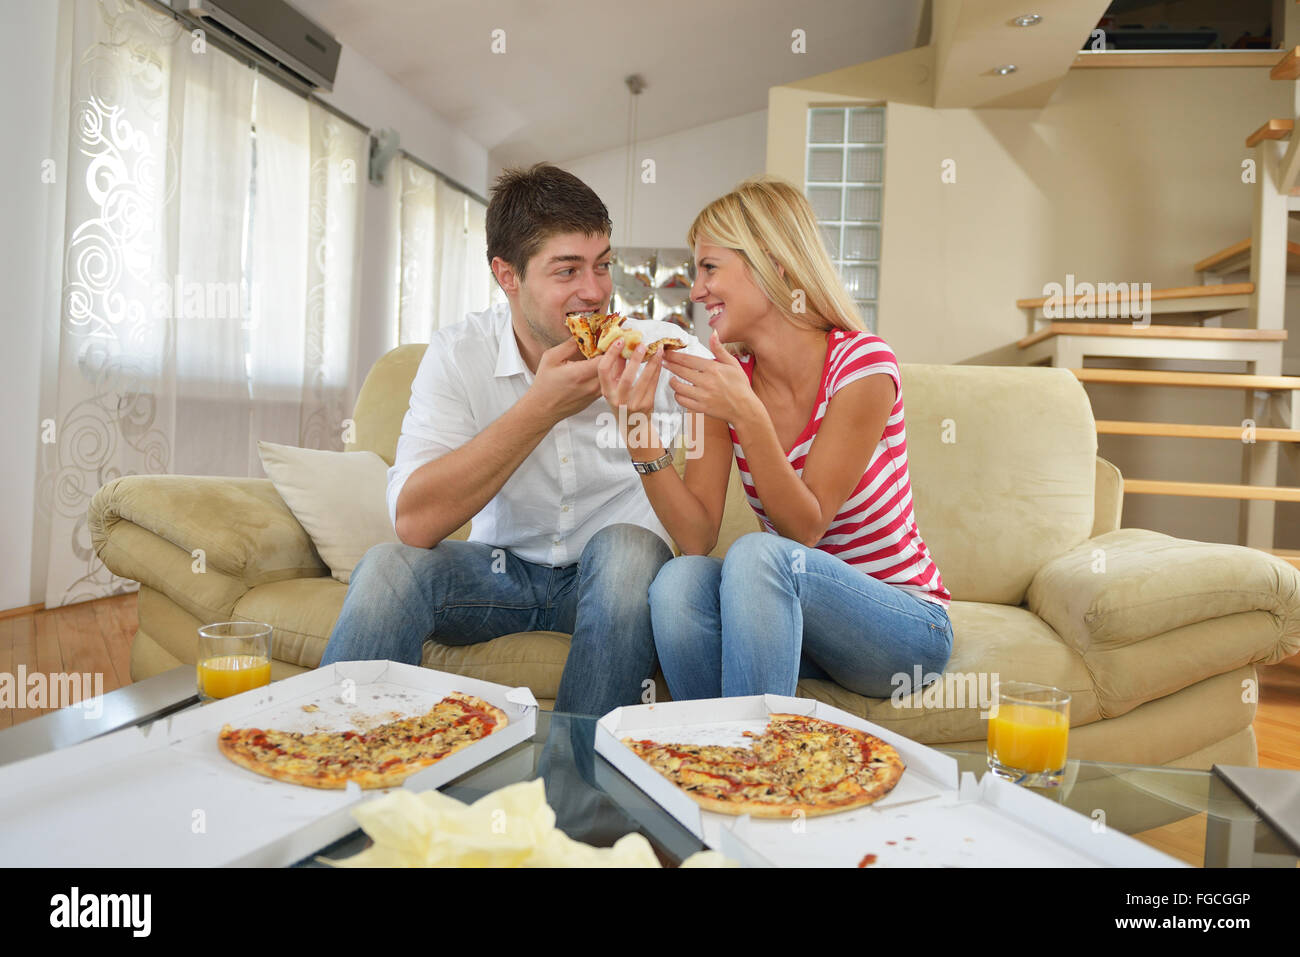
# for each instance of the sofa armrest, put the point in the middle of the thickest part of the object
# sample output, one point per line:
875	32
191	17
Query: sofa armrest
1133	583
243	527
1108	503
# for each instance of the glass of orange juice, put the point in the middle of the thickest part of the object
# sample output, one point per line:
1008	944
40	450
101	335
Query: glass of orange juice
1029	729
234	656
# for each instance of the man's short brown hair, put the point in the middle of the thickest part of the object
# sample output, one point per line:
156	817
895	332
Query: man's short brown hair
529	206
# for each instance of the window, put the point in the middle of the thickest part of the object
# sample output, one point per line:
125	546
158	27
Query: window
843	179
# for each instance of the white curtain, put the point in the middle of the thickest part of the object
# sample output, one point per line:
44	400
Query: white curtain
210	272
417	295
443	241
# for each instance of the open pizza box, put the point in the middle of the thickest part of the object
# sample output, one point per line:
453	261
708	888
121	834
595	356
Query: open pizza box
165	796
932	818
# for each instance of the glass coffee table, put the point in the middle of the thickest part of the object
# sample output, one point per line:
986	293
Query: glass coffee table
1190	815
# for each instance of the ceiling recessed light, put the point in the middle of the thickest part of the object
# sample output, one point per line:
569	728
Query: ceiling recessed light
1005	69
1028	20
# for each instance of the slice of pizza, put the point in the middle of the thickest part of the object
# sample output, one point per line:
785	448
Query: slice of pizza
612	332
603	321
669	342
596	334
580	326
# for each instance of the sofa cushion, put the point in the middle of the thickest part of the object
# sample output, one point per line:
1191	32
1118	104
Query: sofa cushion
988	640
994	503
301	612
1207	718
338	497
1132	583
534	659
241	525
1130	675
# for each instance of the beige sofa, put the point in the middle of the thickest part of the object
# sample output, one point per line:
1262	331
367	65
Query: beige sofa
1156	638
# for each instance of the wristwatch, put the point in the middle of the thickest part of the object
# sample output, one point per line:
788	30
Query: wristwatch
645	468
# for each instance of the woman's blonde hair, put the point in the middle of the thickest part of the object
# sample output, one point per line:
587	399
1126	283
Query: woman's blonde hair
768	222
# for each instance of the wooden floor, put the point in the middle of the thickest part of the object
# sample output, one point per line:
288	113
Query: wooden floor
96	637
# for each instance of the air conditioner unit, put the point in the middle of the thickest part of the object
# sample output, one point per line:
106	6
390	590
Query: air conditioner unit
272	33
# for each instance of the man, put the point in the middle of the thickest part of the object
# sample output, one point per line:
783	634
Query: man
504	428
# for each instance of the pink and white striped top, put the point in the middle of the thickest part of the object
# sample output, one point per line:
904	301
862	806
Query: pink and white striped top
874	529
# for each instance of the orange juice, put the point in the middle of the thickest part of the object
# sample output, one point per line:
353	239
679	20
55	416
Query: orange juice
1028	738
226	675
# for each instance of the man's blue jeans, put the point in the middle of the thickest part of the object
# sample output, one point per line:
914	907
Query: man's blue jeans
463	593
775	611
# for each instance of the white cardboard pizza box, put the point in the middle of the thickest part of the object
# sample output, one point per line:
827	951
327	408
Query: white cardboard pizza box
931	818
169	798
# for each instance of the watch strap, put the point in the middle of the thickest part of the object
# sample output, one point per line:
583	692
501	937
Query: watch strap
644	468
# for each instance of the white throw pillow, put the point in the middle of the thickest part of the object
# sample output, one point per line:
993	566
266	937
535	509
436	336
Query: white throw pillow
340	498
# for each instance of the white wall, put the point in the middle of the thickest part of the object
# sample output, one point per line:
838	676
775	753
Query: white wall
28	31
692	168
27	73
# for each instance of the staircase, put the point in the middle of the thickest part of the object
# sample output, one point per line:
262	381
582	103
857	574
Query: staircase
1185	323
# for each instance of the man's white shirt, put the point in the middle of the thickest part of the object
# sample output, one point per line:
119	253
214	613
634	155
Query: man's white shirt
577	480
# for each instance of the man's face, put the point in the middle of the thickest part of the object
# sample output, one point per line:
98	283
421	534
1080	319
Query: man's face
570	273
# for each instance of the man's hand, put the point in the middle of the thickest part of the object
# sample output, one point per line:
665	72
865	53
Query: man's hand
565	383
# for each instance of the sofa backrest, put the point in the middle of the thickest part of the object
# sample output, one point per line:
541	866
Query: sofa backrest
1003	464
383	400
1002	459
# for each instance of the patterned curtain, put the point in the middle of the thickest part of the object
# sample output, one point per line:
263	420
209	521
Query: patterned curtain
209	273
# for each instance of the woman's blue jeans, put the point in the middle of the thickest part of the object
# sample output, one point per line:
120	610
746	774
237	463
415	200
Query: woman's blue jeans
775	611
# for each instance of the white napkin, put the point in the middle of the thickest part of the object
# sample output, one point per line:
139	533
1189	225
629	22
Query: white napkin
652	329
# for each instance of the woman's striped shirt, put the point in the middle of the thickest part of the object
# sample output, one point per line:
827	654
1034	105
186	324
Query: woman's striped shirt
875	529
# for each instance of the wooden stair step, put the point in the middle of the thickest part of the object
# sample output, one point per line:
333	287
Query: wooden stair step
1127	330
1270	493
1237	256
1287	68
1272	130
1183	430
1157	295
1211	380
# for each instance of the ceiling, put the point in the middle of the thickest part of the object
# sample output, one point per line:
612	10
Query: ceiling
972	37
558	92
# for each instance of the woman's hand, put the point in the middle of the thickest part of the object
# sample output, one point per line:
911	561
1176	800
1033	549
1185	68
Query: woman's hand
631	396
719	387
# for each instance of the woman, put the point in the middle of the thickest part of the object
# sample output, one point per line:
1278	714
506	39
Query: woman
840	584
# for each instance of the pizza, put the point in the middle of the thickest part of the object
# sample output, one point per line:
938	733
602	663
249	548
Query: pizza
382	757
596	332
798	764
580	327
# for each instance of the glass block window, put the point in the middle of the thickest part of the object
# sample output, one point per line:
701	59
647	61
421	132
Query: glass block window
844	181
